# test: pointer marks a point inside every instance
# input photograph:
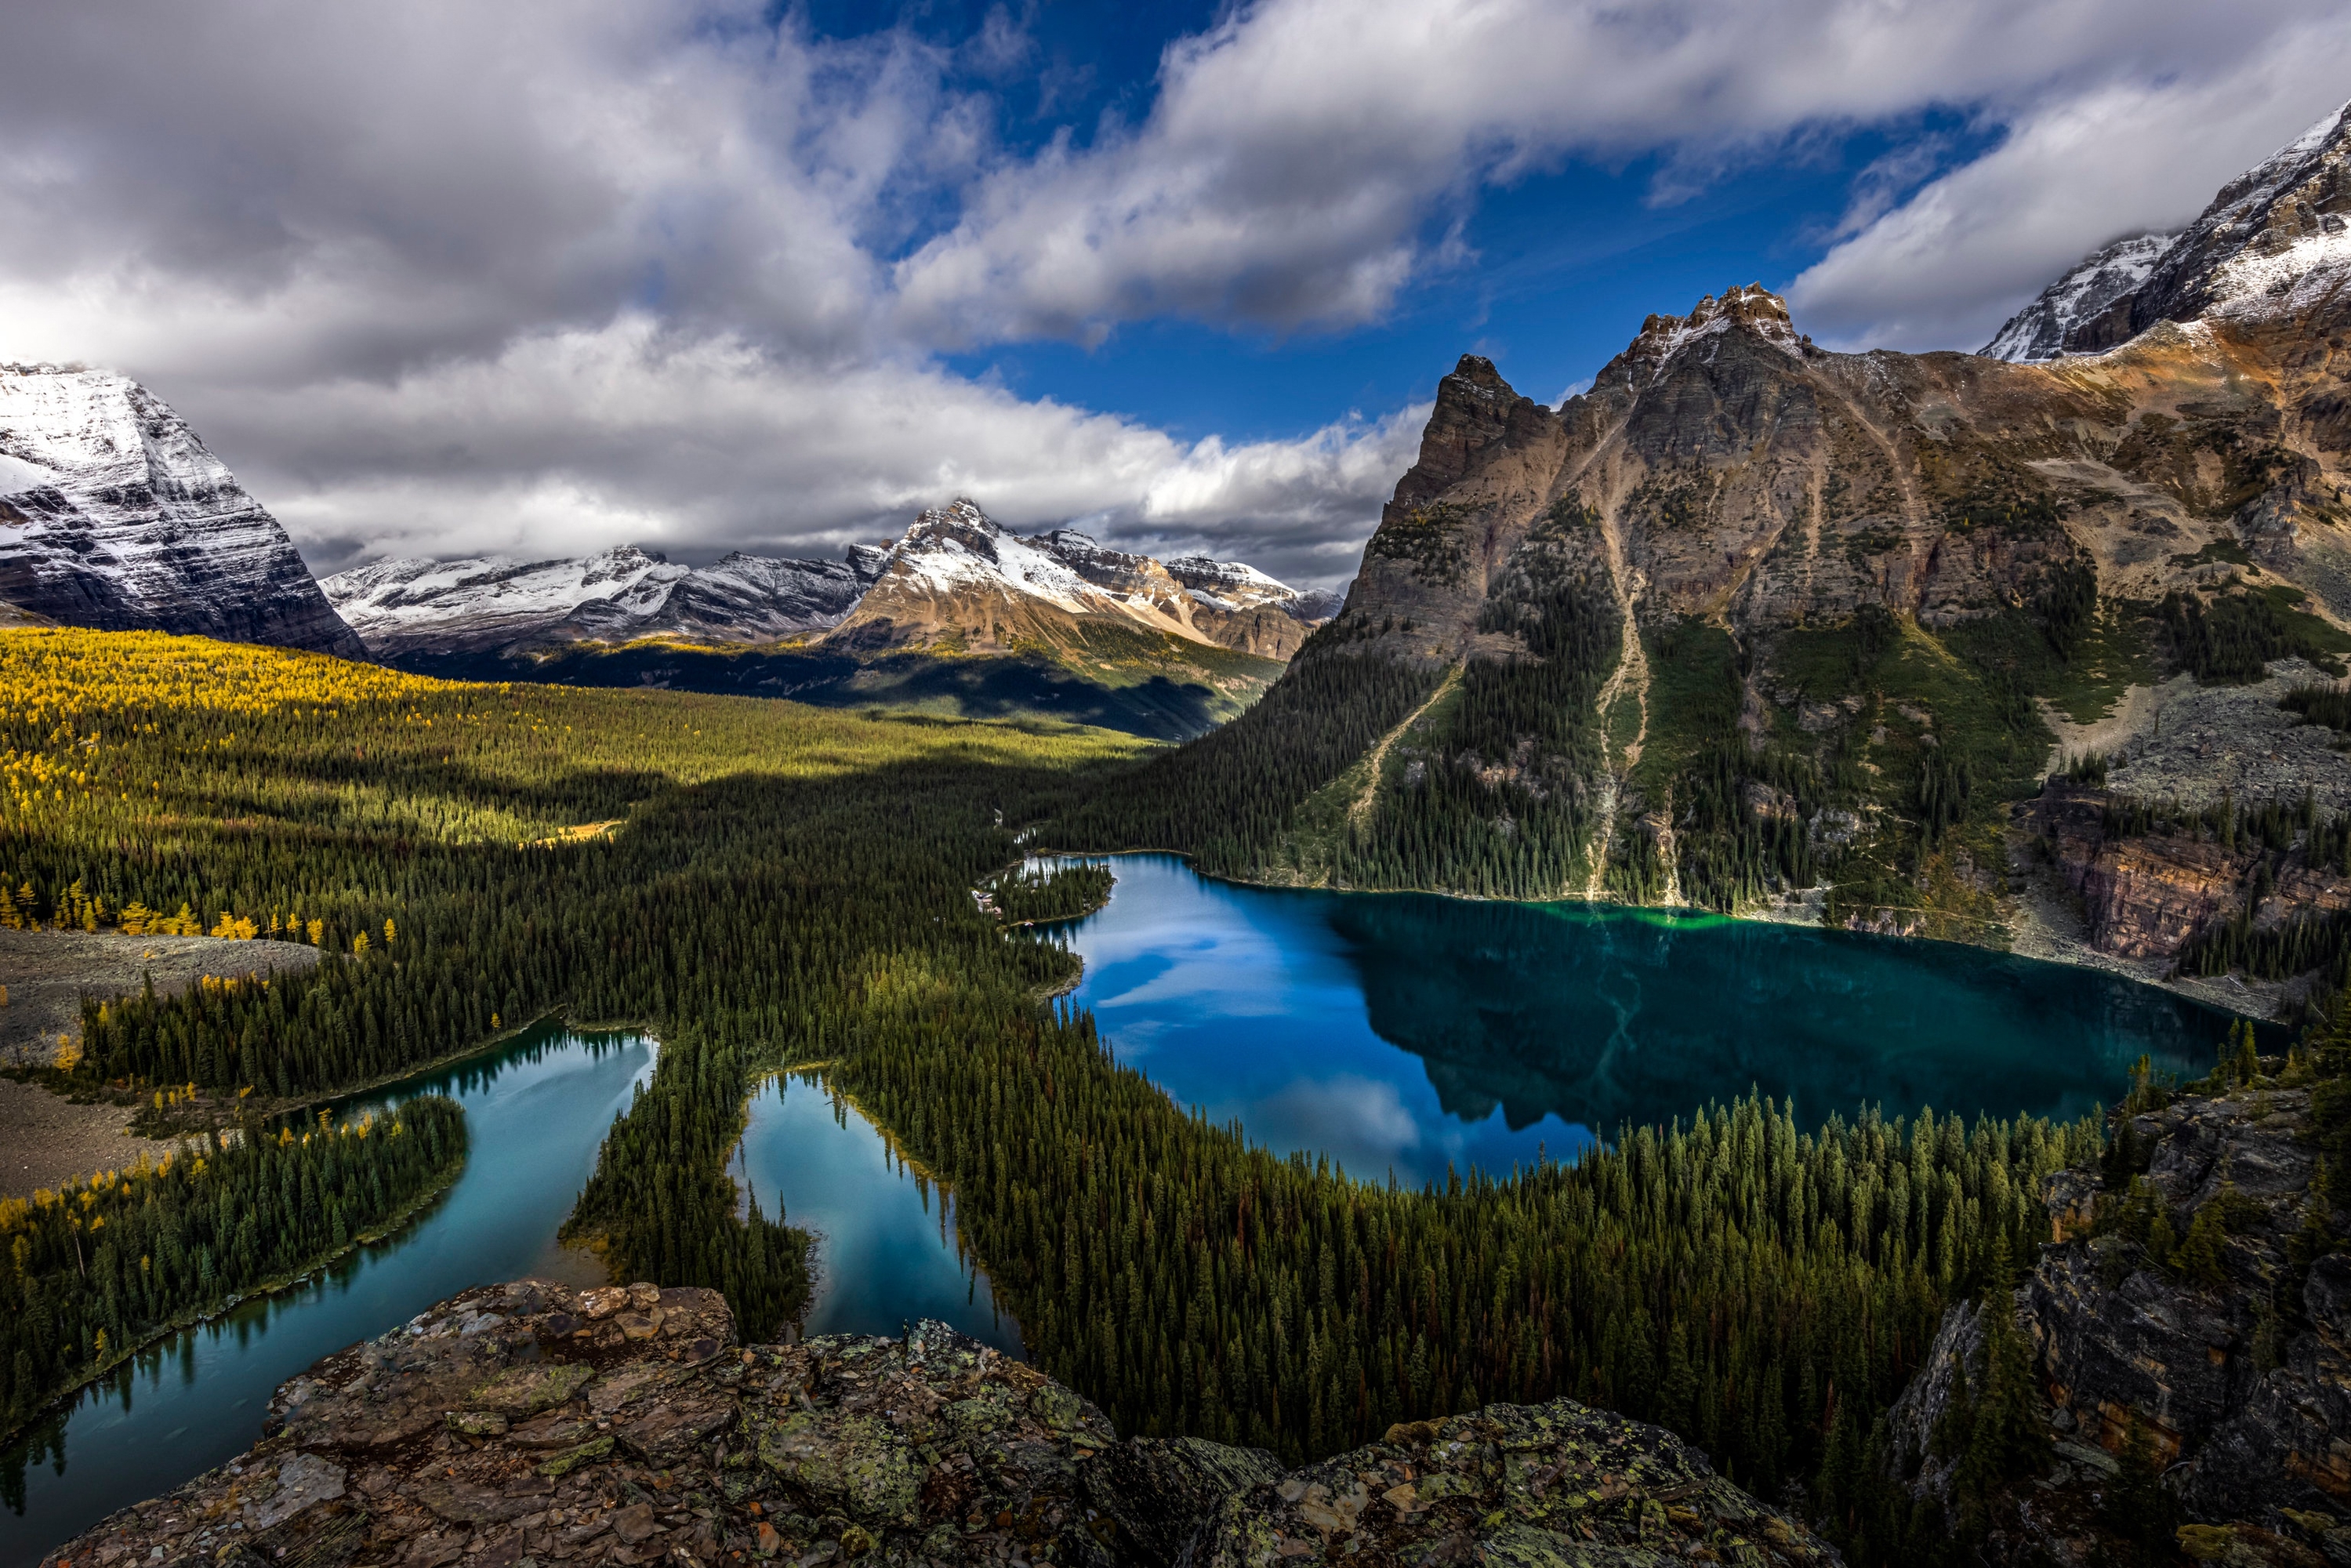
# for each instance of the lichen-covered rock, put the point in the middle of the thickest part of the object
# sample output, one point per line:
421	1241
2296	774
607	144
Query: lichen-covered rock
1523	1485
531	1423
2246	1407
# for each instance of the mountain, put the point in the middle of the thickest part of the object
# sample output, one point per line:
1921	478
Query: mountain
1758	626
960	615
960	579
401	607
2272	244
114	515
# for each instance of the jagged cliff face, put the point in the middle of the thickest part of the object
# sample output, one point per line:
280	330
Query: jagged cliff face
531	1423
114	515
2218	1351
958	580
1865	600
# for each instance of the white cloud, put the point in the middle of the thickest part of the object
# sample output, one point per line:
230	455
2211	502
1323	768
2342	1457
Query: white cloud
1302	158
1944	269
560	273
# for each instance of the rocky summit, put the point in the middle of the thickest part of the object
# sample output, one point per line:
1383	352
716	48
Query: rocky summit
113	513
529	1424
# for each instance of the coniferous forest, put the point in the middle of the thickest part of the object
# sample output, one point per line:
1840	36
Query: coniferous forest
765	885
90	1273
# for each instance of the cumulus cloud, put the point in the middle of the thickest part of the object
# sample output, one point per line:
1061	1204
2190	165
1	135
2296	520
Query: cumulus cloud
1944	269
542	276
1304	159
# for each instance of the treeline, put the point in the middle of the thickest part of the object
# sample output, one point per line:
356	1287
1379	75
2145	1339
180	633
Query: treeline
2329	705
660	1205
1227	799
2231	639
1764	1289
88	1272
1494	795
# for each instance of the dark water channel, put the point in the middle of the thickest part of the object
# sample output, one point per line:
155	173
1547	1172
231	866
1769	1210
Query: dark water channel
1404	1032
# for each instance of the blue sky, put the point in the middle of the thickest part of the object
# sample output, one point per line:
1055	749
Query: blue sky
542	277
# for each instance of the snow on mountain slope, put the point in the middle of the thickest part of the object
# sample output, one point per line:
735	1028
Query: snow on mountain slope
955	575
114	515
959	578
474	606
2274	245
2106	275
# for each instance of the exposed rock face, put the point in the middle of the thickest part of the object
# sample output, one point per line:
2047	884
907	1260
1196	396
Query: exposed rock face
526	1422
114	515
2123	1337
2238	1379
2147	895
960	579
476	606
2106	275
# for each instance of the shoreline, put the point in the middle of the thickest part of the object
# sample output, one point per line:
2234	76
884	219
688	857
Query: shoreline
388	1228
2036	938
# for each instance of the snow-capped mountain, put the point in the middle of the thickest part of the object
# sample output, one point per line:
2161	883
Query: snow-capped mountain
474	606
2275	242
2111	273
961	578
114	515
955	575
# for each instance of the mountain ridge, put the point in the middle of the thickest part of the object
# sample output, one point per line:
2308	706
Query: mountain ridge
1754	625
114	514
955	580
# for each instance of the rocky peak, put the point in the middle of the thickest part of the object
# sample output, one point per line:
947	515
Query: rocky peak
958	523
113	513
626	1425
2275	243
1475	408
2110	274
1753	309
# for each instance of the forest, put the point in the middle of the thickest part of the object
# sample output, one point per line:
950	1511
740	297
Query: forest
766	885
94	1269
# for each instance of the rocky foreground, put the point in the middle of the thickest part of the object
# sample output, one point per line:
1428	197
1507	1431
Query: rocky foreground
2190	1300
530	1424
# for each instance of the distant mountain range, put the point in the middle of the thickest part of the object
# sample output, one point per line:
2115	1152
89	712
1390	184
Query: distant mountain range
955	581
114	515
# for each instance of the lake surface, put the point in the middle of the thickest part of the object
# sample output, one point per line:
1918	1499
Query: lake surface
536	1113
1406	1032
882	1260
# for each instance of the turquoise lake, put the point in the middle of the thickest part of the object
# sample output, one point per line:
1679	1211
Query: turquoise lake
536	1113
1404	1032
1396	1033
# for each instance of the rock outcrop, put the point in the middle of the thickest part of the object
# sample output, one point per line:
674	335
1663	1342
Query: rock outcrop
2193	1309
527	1423
114	515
